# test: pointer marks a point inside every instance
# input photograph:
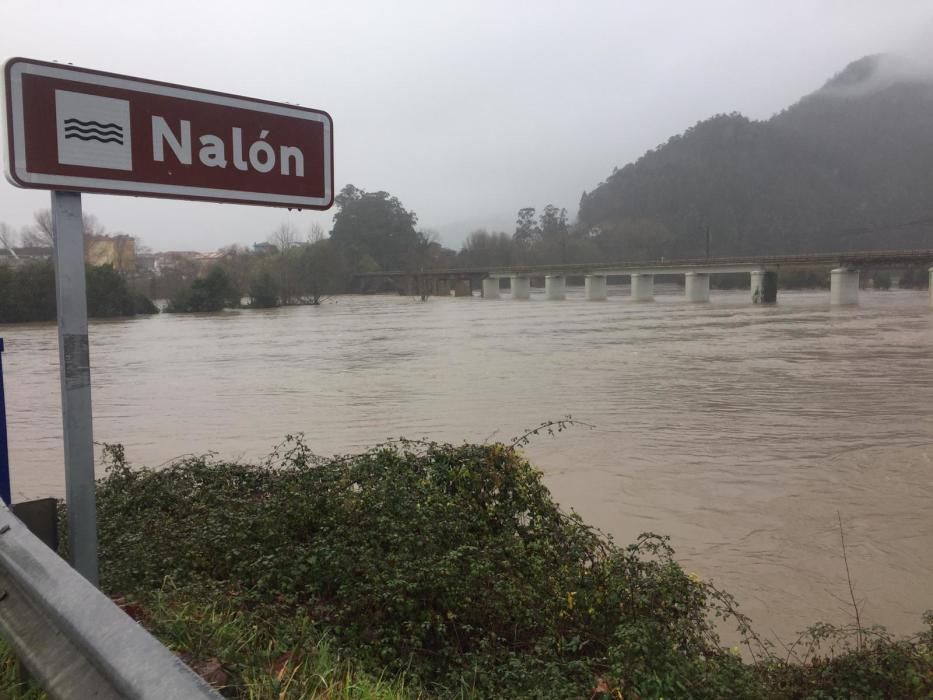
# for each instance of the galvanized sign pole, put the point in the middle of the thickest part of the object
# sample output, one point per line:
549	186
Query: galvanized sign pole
75	365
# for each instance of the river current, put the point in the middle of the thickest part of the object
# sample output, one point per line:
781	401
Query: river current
738	430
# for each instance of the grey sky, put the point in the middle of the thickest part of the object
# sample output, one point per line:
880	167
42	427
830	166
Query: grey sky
466	111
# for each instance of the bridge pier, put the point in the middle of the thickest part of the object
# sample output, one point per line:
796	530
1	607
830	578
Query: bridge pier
595	287
764	286
931	286
521	287
555	287
491	288
843	287
642	287
697	286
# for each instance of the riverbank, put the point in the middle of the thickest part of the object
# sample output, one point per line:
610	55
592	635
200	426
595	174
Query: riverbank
425	570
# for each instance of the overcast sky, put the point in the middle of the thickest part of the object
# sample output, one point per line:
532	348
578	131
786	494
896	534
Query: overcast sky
466	111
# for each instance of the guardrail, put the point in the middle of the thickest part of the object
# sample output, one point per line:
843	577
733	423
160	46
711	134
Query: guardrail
72	639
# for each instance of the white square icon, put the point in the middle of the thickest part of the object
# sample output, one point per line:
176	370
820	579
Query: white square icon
93	131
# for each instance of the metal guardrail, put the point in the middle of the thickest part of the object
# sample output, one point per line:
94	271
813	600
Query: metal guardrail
72	639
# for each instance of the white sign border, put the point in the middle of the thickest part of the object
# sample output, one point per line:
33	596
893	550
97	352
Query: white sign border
18	66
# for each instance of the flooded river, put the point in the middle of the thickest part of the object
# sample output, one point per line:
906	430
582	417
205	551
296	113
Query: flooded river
738	430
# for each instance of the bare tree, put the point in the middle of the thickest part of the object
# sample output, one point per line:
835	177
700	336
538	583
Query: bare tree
316	234
7	236
40	234
284	237
93	227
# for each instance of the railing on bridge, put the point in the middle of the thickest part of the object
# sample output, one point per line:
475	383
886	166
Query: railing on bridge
844	280
884	258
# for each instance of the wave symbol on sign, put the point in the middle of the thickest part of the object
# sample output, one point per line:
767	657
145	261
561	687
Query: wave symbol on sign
93	131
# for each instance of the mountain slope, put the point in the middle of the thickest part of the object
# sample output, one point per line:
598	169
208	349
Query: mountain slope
836	171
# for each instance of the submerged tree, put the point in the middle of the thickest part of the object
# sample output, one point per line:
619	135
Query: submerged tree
211	293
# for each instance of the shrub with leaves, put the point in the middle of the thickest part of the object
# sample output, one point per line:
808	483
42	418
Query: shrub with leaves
452	561
450	565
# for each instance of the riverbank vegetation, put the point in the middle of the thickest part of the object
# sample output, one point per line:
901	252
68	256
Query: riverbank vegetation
436	571
27	293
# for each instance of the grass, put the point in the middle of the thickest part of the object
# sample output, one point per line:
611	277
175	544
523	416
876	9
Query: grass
283	658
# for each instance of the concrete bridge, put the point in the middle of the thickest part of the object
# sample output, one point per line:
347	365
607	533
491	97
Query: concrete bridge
763	270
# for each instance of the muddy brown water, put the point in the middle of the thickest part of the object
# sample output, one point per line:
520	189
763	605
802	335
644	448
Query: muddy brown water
738	430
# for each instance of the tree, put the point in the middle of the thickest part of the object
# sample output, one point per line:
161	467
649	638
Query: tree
285	239
27	292
7	236
211	293
484	249
264	291
40	234
322	269
526	227
239	264
553	222
107	293
377	226
316	234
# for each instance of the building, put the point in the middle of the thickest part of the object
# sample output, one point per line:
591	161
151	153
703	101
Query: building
118	250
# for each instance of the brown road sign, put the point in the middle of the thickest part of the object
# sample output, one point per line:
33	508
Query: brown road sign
82	130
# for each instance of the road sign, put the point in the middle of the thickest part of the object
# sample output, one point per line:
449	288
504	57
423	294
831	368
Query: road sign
82	130
74	130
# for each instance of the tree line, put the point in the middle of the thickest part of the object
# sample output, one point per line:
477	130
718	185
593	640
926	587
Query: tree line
27	293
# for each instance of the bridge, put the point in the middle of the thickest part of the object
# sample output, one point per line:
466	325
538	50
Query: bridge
763	270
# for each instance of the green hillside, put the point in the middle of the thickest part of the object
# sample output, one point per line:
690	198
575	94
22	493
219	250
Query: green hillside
849	167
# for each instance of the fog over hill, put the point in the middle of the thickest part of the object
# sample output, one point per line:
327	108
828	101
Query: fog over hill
848	167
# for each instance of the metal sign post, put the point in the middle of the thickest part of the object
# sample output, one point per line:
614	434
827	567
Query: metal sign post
75	365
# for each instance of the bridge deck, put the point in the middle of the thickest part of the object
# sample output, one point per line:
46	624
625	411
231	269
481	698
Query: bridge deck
670	267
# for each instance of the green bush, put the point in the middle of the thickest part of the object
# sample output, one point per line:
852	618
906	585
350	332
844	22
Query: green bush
107	293
214	292
27	292
143	306
452	562
451	566
264	291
